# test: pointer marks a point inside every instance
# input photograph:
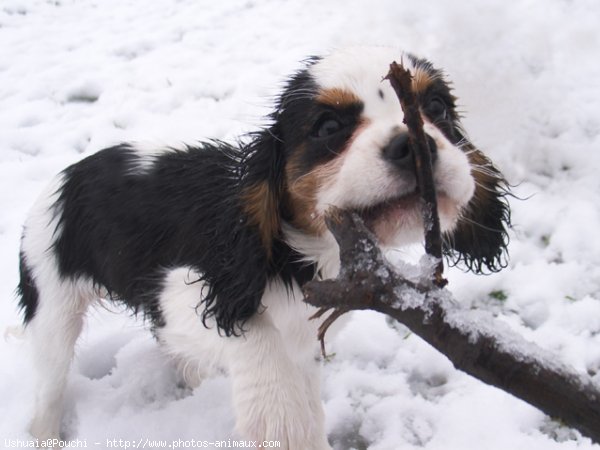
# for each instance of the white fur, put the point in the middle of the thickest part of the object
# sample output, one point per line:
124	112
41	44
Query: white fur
147	152
322	250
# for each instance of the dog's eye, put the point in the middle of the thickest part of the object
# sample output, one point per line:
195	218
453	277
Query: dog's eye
436	108
326	126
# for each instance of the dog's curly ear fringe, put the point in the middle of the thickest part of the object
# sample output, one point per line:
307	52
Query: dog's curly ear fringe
479	241
238	261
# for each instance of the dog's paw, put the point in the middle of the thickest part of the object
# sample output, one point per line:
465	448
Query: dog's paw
44	430
281	414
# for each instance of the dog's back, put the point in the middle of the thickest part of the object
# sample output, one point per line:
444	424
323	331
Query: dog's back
120	217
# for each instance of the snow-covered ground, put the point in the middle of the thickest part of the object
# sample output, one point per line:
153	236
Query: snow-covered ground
77	75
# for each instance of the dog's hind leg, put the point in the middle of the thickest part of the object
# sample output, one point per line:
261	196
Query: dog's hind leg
54	306
53	332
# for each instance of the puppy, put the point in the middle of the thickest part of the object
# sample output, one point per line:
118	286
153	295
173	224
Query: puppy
211	242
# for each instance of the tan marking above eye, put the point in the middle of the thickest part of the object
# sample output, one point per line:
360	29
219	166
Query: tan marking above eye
337	98
421	80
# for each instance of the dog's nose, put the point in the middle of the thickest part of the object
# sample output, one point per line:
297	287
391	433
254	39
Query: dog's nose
400	152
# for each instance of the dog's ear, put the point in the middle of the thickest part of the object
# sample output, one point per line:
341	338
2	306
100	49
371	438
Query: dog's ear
244	234
480	238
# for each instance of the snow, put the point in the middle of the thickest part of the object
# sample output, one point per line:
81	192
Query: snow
77	75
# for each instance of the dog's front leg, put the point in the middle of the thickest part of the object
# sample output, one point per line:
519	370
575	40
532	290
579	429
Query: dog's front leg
269	393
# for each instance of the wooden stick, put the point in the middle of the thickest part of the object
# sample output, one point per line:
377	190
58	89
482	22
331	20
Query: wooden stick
401	80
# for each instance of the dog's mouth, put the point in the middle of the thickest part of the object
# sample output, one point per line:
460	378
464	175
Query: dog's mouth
390	209
398	216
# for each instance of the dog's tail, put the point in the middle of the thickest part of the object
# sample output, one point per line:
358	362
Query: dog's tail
27	290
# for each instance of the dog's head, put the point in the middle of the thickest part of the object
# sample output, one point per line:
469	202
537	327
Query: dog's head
338	139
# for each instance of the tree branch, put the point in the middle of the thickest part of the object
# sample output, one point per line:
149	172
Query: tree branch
473	341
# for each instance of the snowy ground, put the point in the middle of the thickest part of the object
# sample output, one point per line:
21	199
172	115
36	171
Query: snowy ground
77	75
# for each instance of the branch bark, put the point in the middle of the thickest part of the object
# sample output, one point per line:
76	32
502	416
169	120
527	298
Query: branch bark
473	341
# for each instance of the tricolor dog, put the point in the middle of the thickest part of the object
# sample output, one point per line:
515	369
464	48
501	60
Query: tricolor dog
211	242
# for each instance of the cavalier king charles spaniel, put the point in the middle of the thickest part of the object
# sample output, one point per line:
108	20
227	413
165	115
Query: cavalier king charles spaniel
211	242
